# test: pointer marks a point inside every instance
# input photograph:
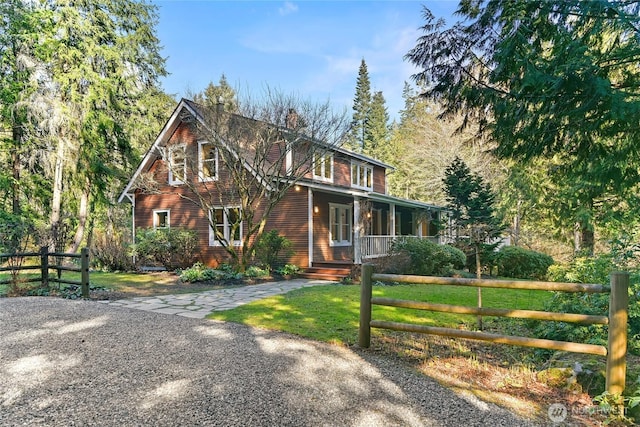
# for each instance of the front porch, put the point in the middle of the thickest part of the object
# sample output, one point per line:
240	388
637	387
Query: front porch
354	228
378	246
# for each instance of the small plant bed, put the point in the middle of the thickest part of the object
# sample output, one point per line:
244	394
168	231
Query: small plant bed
113	286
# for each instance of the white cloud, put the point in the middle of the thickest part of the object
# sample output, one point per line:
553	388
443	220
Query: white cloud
288	8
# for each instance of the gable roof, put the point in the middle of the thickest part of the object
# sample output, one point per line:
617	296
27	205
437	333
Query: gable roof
188	108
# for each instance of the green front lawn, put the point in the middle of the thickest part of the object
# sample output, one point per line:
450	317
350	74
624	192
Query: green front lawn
331	313
127	283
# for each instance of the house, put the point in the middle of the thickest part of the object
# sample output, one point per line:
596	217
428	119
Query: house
337	213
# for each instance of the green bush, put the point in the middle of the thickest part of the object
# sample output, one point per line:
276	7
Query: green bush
170	247
255	271
426	258
521	263
289	270
199	273
271	248
108	252
589	270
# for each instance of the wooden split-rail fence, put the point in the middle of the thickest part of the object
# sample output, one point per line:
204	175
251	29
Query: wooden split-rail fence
44	266
615	351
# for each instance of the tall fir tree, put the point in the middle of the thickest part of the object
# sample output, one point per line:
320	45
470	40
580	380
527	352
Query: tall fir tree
361	106
85	85
376	129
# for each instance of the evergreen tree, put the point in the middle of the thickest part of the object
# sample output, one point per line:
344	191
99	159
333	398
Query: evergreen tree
376	129
421	147
361	106
471	207
547	79
213	94
79	90
472	215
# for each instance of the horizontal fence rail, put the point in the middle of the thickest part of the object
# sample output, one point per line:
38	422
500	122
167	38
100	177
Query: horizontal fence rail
44	266
615	351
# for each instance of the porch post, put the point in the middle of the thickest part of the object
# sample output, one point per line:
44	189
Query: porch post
392	218
310	225
357	232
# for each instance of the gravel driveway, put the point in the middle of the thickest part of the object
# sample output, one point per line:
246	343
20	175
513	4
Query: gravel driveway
82	363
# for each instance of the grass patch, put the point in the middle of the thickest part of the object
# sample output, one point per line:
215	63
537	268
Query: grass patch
123	285
331	313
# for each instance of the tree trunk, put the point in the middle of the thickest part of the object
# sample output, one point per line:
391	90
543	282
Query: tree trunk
15	160
83	213
515	232
583	238
56	200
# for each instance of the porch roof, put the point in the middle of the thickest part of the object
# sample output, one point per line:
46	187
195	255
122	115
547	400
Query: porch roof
369	195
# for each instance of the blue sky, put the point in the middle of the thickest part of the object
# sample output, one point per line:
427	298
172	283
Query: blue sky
310	48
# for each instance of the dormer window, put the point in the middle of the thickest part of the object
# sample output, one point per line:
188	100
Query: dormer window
208	161
323	167
177	164
361	176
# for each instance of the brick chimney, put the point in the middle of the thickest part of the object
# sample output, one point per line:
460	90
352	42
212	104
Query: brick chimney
292	119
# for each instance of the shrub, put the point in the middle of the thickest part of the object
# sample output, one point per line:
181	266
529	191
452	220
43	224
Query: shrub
423	257
487	255
521	263
108	252
589	270
199	273
170	247
289	270
255	271
271	247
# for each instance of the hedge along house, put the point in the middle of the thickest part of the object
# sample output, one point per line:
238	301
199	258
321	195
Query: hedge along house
230	178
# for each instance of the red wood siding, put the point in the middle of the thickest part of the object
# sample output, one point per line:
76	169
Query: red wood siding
379	180
322	251
291	219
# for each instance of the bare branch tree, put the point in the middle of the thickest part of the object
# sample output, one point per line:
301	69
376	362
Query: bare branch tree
245	163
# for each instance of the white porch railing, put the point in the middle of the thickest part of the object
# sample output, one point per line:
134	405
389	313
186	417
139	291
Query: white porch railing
377	246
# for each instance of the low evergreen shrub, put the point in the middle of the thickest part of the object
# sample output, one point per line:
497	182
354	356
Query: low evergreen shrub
423	257
170	247
589	270
271	248
521	263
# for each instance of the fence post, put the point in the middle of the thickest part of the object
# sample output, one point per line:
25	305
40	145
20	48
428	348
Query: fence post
44	266
84	274
617	346
364	335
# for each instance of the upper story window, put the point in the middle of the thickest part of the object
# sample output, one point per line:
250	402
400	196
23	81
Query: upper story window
161	218
207	161
361	176
228	225
323	167
177	164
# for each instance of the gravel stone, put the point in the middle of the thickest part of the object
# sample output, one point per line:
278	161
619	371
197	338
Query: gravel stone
83	363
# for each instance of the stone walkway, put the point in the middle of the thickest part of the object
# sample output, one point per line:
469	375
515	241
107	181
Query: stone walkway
198	305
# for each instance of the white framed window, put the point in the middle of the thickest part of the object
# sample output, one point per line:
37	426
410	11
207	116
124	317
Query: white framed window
227	222
207	161
340	220
323	167
361	176
178	164
161	218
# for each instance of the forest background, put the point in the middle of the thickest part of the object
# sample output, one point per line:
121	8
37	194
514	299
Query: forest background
80	102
